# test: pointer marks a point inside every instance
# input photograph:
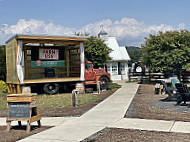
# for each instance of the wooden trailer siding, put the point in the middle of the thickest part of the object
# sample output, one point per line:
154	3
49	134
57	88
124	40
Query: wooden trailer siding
74	54
45	80
11	47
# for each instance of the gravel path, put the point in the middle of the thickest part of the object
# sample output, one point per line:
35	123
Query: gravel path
171	105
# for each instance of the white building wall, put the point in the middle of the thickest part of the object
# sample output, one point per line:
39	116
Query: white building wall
115	76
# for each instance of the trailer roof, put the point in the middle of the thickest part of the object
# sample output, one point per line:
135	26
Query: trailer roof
48	39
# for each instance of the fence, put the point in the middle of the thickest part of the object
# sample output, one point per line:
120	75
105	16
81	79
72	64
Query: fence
149	77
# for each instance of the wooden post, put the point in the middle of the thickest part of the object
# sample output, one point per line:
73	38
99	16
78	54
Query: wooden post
67	61
74	98
9	89
14	88
39	123
8	126
28	127
98	87
18	89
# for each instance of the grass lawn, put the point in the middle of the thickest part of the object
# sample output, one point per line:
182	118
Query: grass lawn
55	101
60	105
63	100
59	100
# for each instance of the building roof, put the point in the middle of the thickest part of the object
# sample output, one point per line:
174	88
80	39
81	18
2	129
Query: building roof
47	38
102	32
118	53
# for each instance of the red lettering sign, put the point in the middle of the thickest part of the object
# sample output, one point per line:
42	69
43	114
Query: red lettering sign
48	54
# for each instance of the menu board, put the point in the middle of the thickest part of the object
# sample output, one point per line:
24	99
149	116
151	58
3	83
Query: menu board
19	110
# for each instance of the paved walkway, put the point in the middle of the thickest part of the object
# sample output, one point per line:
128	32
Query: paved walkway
45	121
102	115
152	125
108	113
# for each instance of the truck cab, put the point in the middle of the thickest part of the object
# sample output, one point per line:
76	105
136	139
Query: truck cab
92	76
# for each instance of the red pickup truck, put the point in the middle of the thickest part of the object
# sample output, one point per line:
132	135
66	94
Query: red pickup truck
92	76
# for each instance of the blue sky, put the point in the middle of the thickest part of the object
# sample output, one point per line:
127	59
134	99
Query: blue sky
129	20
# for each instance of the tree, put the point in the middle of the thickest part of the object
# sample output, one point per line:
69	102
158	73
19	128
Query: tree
167	51
96	51
2	63
82	34
134	53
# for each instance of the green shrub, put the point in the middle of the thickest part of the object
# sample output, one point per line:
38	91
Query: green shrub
113	85
3	87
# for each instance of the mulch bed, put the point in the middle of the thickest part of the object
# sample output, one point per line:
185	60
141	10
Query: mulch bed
18	133
125	135
147	105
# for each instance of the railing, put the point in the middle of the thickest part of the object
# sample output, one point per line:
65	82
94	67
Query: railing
147	77
155	77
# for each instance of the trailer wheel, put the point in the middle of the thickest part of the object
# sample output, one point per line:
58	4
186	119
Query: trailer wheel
51	88
104	81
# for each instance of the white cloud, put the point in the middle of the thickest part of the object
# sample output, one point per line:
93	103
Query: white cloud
35	27
32	26
128	31
181	26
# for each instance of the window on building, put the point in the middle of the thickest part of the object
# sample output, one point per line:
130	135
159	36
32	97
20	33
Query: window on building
114	68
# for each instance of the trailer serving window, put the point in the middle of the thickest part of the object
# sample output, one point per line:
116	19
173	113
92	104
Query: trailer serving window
49	62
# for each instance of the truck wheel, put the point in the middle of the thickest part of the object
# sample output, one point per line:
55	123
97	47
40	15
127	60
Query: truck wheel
51	88
104	83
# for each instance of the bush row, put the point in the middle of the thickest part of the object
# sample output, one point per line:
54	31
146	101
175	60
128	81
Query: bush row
3	87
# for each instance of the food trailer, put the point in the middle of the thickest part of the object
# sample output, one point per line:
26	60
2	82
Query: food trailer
44	61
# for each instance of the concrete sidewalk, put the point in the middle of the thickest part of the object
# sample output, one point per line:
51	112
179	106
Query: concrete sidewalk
45	121
152	125
102	115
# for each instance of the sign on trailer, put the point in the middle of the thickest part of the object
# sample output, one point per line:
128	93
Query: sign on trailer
48	54
35	64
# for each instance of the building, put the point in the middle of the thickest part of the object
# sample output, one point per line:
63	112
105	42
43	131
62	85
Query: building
118	65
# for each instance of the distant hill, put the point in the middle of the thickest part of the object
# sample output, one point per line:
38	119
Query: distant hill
134	53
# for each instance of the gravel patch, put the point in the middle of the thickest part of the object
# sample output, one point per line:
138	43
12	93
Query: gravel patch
171	105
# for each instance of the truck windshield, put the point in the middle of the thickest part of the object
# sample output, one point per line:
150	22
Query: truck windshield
88	66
